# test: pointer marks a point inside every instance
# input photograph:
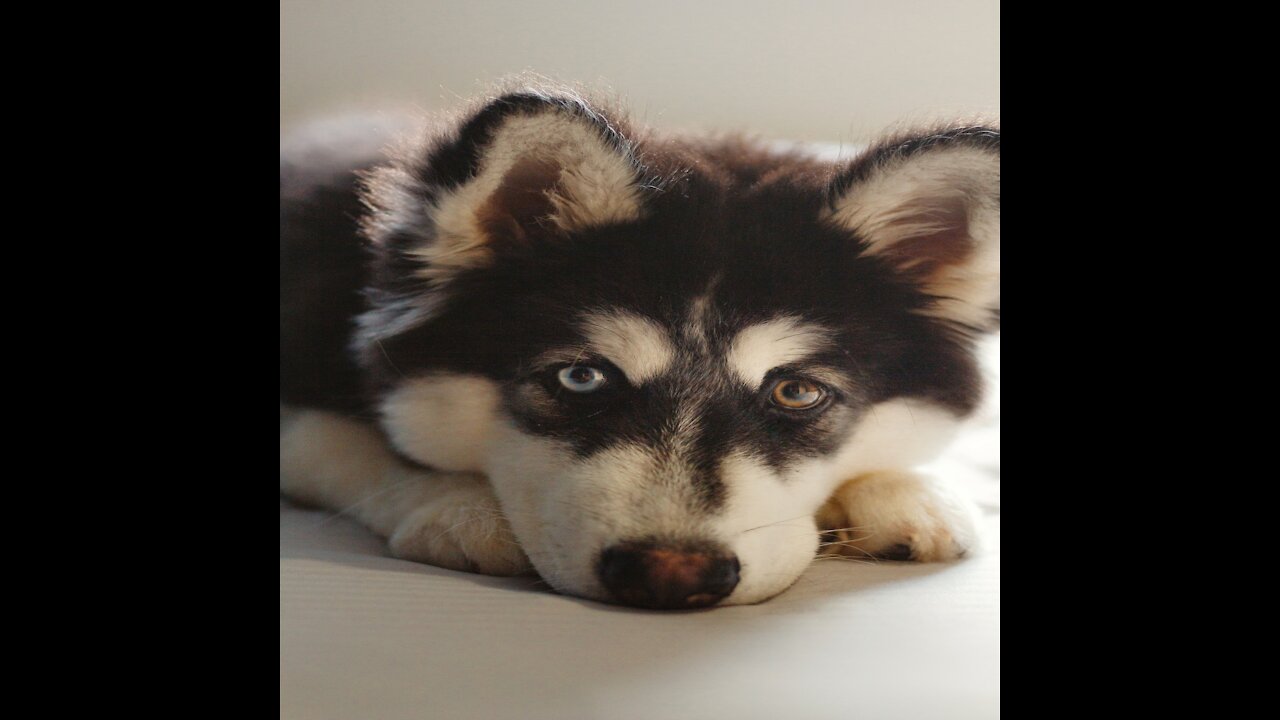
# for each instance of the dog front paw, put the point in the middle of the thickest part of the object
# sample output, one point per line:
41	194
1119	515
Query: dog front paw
898	516
462	530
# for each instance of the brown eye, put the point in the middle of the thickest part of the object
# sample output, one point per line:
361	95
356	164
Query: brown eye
797	394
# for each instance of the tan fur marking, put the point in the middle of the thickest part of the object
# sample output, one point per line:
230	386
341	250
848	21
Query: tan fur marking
578	181
937	217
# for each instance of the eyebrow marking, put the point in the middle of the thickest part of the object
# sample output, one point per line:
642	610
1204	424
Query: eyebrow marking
637	345
783	340
700	315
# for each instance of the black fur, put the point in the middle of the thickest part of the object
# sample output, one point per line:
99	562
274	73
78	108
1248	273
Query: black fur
323	263
727	217
905	146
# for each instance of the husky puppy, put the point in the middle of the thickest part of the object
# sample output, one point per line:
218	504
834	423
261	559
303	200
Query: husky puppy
652	369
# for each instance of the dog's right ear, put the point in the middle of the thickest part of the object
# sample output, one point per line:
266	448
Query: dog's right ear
527	165
928	205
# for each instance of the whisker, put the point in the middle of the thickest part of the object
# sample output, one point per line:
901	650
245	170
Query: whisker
388	357
371	496
845	542
778	522
843	529
871	559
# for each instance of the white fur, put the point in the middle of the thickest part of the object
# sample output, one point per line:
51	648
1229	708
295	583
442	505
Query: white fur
771	517
760	348
768	523
638	346
560	512
442	420
597	187
879	510
893	204
447	519
530	476
885	504
893	435
565	510
326	460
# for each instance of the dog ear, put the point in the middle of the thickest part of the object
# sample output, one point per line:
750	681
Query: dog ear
526	165
929	205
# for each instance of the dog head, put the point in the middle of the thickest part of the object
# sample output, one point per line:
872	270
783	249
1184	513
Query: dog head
667	354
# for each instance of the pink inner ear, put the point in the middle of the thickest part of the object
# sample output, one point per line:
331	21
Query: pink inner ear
521	202
933	236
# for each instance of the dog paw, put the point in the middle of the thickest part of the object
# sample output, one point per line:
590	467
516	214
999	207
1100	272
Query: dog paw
898	516
463	530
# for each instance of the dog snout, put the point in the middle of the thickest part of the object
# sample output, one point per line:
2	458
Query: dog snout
653	575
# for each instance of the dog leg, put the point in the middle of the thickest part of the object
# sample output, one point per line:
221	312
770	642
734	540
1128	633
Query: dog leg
898	516
451	520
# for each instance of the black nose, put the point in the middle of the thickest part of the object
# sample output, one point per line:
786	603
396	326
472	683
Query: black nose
654	575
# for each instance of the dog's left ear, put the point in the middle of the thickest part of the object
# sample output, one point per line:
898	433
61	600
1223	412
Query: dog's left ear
526	166
929	205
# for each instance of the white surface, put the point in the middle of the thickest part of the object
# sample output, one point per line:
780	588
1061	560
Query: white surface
363	635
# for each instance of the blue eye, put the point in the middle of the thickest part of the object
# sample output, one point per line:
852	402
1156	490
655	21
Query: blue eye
581	379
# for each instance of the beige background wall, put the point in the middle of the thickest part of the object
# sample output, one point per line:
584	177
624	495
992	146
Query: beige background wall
806	69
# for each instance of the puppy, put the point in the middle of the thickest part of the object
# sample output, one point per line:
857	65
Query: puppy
652	369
